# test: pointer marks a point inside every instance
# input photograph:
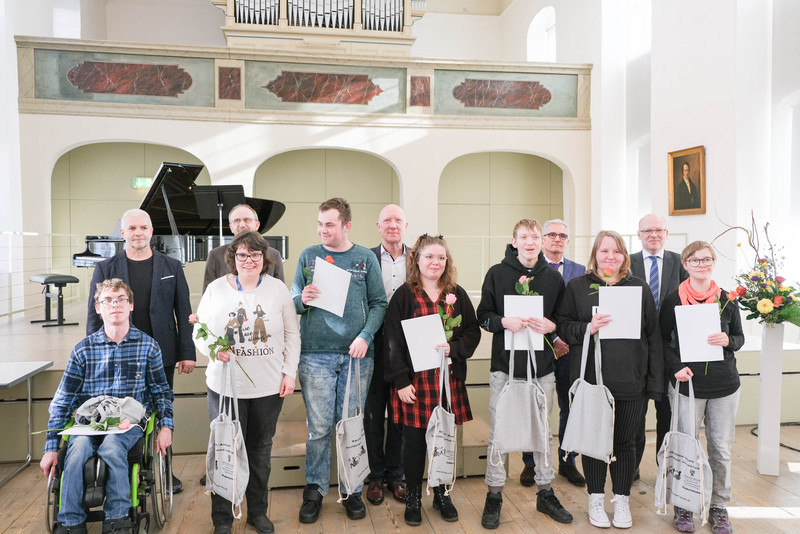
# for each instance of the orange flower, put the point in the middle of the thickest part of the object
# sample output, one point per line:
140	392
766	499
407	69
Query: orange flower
329	259
608	272
777	301
732	295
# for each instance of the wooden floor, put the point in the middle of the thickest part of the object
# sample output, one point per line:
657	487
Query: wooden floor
760	504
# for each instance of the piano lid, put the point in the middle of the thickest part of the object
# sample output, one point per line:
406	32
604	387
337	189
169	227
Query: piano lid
175	196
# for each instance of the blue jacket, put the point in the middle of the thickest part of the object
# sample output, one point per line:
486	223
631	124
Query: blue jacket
169	304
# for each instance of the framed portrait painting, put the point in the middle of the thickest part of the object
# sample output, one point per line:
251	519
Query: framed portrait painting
687	181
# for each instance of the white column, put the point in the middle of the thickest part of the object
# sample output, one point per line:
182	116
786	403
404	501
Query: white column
769	400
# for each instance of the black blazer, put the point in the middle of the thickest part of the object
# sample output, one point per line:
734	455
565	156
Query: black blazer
169	304
671	278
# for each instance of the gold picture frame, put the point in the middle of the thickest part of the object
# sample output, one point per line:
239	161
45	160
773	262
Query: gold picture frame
687	194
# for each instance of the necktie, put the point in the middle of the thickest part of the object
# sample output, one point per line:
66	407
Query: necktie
654	287
554	265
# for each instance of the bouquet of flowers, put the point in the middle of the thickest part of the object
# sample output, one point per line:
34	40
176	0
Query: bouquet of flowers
761	290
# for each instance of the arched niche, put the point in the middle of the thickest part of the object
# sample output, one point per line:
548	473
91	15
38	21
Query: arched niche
542	36
303	179
482	196
92	185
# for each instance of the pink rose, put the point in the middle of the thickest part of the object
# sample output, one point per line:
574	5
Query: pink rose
193	319
450	299
523	279
124	424
780	279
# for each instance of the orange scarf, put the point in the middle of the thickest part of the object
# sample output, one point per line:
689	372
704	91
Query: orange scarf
689	296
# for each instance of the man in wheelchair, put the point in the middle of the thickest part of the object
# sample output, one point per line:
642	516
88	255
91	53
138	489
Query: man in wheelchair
120	361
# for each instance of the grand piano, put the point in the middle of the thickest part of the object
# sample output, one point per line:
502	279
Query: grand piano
188	219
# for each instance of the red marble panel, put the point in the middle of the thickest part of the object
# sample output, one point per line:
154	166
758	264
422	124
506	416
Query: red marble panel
324	88
420	91
230	83
509	94
129	78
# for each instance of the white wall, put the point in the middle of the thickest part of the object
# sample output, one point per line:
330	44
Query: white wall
473	37
184	22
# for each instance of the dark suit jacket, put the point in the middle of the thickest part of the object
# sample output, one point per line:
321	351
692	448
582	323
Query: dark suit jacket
216	266
572	270
673	274
686	198
169	304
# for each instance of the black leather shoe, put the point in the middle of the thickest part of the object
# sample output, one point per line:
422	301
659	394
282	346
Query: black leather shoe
548	503
203	480
77	529
222	529
444	504
262	524
491	510
354	506
312	504
528	476
177	485
375	492
571	473
413	513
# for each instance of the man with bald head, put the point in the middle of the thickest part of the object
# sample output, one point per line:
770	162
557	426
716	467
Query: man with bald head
386	462
161	292
663	272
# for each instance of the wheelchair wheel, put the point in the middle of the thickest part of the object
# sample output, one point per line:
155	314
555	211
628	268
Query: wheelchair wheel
51	503
161	493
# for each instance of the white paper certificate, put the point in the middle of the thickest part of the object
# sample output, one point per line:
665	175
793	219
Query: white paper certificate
422	336
333	283
624	305
523	306
695	323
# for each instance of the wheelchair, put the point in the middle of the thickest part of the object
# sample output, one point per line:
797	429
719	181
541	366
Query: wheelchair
151	480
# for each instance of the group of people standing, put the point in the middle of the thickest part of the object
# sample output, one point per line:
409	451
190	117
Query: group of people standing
245	298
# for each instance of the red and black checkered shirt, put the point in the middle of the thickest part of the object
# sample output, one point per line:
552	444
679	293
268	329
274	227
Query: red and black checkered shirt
426	383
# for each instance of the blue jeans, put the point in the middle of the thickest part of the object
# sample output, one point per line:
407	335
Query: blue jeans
113	449
323	378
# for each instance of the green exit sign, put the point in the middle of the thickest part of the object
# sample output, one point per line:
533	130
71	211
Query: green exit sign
142	182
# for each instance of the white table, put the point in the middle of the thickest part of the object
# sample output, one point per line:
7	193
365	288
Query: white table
11	374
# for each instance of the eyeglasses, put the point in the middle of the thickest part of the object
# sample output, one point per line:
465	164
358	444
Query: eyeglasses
653	231
553	235
121	301
246	220
694	262
255	256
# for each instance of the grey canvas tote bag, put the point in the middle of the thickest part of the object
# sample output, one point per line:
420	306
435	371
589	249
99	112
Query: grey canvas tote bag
590	427
684	474
351	442
227	469
521	423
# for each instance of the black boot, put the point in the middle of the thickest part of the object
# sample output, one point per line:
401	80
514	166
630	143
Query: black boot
413	515
444	504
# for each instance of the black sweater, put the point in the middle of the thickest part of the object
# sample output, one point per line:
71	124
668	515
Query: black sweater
633	369
466	336
722	377
500	281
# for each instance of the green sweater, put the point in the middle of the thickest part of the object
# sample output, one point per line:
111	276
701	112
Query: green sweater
322	331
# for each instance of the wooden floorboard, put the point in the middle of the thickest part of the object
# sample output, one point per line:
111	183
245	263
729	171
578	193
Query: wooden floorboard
760	504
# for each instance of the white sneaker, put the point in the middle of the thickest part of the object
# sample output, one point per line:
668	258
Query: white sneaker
622	512
597	512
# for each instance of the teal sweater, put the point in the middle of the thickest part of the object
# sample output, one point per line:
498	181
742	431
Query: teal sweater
322	331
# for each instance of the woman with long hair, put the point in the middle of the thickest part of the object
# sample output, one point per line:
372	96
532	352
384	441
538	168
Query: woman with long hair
632	369
431	283
716	384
